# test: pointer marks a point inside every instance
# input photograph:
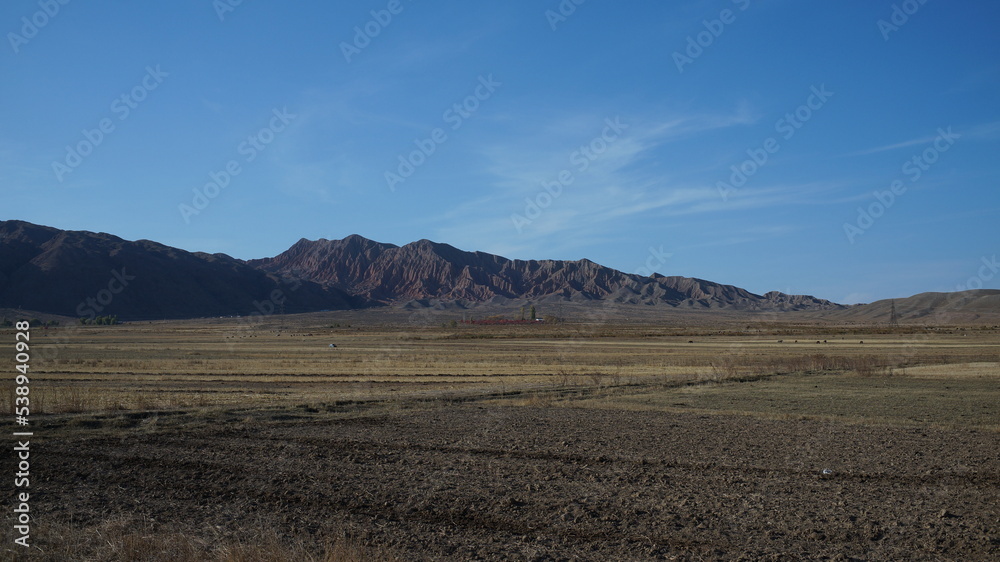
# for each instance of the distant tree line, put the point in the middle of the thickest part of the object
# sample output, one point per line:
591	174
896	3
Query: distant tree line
528	316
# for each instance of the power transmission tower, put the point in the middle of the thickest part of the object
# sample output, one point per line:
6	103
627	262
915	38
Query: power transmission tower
893	318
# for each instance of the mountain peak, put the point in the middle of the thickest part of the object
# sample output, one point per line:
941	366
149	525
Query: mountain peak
357	239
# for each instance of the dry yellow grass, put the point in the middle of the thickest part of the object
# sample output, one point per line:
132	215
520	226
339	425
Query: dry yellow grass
183	365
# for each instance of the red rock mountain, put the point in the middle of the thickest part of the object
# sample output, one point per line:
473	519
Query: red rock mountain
424	270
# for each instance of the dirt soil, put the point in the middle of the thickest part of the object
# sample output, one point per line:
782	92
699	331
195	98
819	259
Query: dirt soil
474	482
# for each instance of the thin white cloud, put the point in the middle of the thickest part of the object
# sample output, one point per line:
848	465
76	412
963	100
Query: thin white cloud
898	145
985	131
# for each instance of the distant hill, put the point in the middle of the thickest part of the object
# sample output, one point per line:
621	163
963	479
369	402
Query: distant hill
76	274
425	270
927	308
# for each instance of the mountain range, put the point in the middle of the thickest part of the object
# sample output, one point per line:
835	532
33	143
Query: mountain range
79	273
422	270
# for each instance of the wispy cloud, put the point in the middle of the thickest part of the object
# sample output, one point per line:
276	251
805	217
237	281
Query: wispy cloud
984	131
622	187
895	146
525	160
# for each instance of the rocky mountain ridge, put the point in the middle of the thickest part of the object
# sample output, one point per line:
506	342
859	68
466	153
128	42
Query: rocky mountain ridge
391	274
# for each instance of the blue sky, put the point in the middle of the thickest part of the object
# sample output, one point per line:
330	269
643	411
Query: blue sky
533	130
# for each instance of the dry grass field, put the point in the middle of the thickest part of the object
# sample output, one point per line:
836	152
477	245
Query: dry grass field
219	440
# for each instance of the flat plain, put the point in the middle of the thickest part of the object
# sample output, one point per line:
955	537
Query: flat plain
336	437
